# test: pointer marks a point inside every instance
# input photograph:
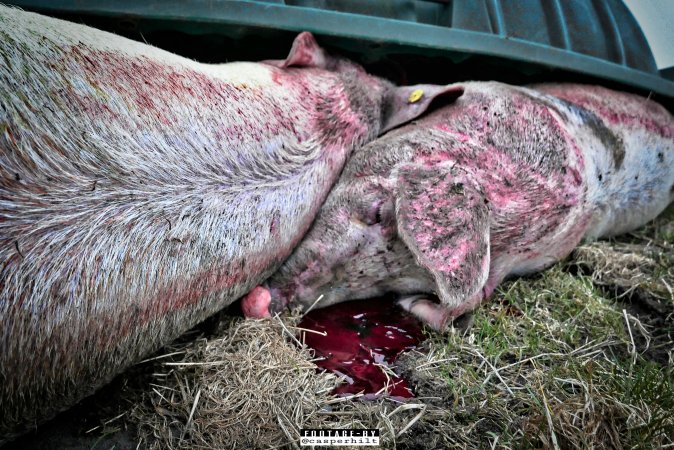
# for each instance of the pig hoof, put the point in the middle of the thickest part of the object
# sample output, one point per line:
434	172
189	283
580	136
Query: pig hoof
256	303
433	314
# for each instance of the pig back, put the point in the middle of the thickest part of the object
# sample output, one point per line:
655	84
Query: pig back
630	172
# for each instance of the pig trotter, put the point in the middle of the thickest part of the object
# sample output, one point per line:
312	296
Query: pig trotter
438	316
433	314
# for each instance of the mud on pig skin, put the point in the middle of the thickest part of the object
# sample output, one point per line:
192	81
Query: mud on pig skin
504	181
141	192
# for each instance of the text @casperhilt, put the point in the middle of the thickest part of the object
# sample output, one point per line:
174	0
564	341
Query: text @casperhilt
361	437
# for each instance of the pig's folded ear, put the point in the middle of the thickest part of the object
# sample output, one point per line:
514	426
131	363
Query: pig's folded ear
405	103
305	52
443	218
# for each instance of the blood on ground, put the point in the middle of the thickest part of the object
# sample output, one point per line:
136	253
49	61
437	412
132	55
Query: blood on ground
357	338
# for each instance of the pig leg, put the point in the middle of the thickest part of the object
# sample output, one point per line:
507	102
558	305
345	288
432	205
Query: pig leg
438	316
443	217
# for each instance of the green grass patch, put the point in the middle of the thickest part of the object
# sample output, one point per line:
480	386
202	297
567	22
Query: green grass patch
569	358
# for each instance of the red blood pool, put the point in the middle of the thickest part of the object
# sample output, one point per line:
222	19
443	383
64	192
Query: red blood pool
361	335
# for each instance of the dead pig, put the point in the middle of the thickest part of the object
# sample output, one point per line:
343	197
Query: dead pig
504	181
141	192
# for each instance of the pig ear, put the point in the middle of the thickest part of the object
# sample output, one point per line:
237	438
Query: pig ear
406	103
443	218
305	52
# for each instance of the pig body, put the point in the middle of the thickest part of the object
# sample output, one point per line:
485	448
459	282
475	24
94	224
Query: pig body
141	192
505	181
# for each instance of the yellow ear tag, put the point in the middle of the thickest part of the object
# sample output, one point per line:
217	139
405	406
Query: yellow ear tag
415	96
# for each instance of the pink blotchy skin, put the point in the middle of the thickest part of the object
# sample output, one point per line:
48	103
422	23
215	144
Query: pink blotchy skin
257	303
141	192
504	181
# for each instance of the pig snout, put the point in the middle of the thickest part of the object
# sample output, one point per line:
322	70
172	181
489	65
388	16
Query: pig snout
263	302
256	303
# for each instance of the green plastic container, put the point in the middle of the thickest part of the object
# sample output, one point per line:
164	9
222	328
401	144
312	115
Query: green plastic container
427	40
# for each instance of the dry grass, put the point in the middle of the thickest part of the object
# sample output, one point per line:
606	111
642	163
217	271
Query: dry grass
640	264
581	356
248	388
251	387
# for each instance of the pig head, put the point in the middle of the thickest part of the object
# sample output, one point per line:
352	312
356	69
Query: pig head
141	192
504	181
